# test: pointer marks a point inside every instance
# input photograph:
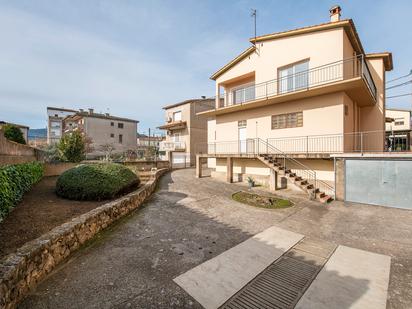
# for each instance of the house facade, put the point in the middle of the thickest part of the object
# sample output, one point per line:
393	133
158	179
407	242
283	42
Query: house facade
301	95
104	131
186	132
398	129
55	116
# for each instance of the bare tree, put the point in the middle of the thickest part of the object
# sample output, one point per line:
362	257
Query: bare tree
108	150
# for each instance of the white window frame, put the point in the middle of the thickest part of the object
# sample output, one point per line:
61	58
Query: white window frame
177	118
289	81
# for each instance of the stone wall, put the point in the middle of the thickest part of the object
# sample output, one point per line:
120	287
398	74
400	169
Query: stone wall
56	169
20	272
12	153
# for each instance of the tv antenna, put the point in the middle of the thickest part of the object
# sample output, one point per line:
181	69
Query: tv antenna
254	15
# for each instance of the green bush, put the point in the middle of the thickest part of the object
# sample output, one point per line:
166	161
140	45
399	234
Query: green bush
95	182
72	147
15	180
14	134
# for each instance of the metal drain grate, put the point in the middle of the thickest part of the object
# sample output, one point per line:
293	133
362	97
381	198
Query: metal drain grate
282	284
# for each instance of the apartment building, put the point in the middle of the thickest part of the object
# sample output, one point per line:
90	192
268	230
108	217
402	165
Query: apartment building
398	129
186	131
104	131
292	99
148	145
24	129
55	116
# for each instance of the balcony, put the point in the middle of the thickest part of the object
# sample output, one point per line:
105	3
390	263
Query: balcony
174	125
350	75
172	146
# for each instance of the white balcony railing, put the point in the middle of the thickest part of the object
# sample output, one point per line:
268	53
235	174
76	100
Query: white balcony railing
322	75
172	146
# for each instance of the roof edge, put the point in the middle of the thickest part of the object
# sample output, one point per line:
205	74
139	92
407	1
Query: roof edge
234	61
386	56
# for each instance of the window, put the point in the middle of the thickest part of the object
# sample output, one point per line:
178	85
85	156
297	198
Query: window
244	93
177	116
176	137
120	138
120	125
399	123
346	110
241	123
111	135
291	120
112	124
293	77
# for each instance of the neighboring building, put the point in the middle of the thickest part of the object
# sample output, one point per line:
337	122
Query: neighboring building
24	129
301	94
104	131
398	129
148	145
186	131
55	116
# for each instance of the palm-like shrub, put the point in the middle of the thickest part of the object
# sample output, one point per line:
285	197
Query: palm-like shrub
72	147
96	182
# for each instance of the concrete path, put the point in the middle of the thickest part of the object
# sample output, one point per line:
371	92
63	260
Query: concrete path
215	281
189	221
352	278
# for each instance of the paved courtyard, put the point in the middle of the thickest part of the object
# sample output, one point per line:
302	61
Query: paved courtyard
189	221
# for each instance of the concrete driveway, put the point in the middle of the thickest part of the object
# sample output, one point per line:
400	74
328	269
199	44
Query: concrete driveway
189	221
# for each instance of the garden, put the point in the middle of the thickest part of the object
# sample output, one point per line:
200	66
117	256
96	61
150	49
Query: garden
31	205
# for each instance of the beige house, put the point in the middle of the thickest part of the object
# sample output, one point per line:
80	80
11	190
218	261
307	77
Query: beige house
186	131
104	130
398	129
292	99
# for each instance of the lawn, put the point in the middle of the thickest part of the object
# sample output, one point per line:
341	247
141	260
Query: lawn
262	201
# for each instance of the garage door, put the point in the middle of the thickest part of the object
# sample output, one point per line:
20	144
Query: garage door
379	182
180	160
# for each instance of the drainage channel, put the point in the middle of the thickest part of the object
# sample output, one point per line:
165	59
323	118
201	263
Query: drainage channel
283	283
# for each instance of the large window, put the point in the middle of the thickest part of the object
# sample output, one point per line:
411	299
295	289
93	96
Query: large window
177	116
120	125
290	120
244	93
294	77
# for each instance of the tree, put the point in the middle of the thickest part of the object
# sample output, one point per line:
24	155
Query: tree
14	134
108	150
72	147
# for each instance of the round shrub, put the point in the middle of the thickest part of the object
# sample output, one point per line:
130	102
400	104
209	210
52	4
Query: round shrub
95	182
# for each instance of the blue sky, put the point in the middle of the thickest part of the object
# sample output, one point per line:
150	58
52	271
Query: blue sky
133	57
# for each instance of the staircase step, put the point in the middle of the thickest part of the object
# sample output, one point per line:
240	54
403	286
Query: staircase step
326	199
320	195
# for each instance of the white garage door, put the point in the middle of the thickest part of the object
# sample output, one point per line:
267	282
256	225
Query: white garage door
379	182
180	160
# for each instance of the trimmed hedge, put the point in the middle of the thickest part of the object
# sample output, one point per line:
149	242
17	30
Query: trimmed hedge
95	182
15	180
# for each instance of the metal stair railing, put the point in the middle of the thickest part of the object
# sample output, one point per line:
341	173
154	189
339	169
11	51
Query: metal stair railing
300	169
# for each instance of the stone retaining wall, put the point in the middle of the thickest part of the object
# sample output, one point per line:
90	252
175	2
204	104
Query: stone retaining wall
20	272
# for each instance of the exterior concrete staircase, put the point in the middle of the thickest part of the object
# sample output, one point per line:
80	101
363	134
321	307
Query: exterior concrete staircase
308	184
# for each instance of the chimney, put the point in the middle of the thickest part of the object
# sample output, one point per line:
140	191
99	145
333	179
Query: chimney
91	111
335	13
